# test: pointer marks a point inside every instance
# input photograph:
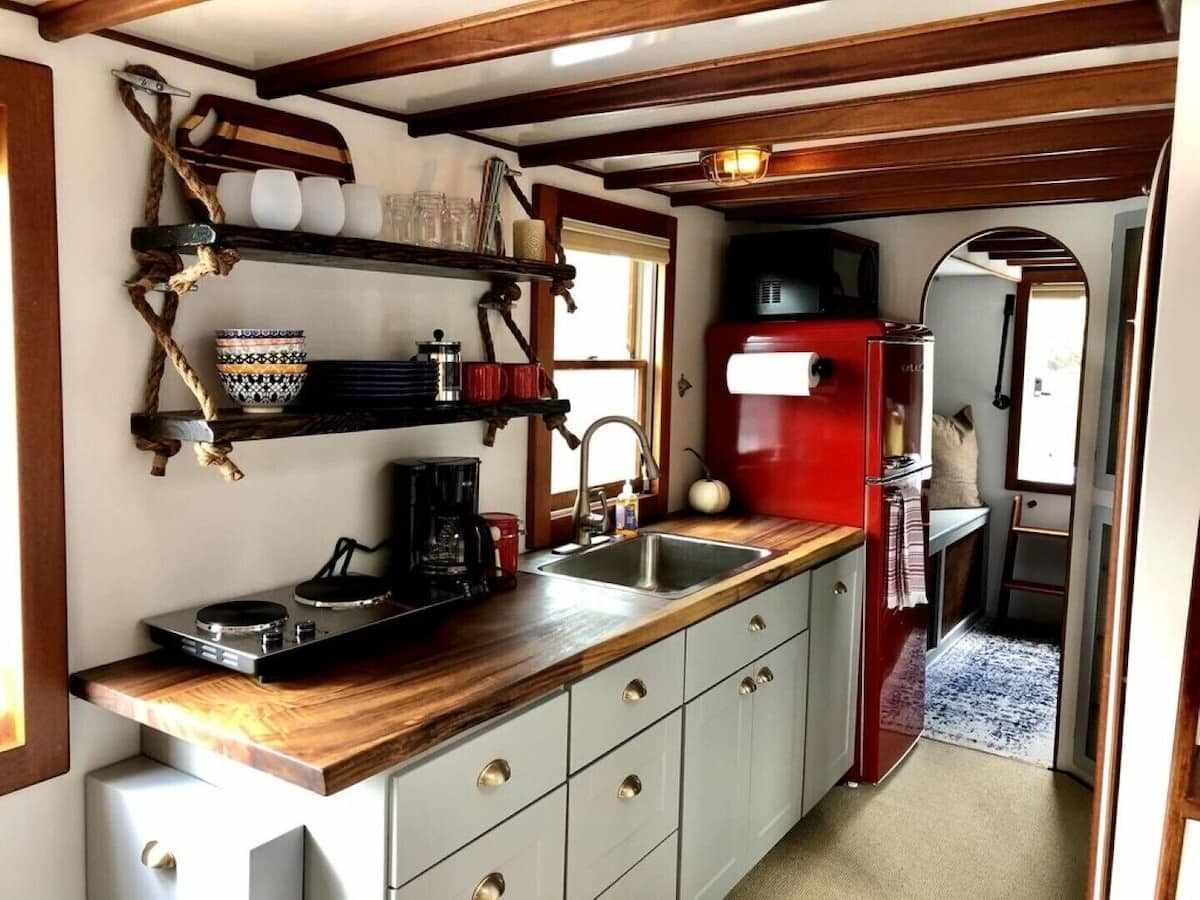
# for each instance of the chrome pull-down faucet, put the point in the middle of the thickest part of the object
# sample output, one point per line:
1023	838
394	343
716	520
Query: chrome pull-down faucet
584	523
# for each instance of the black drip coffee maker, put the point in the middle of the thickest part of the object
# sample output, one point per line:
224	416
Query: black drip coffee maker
439	541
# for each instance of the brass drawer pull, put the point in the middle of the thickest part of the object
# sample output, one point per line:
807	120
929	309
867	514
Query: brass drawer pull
757	623
747	686
634	691
630	787
156	856
490	888
765	675
840	588
494	774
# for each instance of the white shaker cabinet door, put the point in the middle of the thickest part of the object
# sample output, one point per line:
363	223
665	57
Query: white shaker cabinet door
716	788
777	757
833	674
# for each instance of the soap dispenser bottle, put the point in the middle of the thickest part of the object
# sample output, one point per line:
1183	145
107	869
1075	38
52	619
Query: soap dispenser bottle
625	512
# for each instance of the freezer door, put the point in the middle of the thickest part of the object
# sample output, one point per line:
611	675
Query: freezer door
900	406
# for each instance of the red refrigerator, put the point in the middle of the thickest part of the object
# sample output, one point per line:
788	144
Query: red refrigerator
854	451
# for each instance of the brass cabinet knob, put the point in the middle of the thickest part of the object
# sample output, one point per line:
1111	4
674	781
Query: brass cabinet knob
765	675
630	787
747	686
157	856
840	588
634	691
757	623
494	774
490	888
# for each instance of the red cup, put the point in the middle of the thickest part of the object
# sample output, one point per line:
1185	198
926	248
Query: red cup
505	530
526	381
483	382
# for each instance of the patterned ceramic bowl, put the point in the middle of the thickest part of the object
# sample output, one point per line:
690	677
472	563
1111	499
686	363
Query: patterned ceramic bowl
258	334
273	357
258	388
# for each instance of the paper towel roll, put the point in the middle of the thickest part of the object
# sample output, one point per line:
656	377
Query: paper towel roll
779	374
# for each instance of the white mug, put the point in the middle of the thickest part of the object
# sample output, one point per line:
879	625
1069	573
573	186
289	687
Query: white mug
233	193
324	210
364	211
275	199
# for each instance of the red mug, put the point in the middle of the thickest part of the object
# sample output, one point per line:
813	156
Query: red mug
526	381
483	382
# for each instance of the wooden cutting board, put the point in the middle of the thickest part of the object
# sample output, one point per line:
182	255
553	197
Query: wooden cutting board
249	137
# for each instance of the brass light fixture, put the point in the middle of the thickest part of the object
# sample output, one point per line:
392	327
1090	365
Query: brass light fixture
735	165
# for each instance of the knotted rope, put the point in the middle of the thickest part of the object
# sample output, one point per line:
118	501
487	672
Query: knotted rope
558	287
157	266
500	298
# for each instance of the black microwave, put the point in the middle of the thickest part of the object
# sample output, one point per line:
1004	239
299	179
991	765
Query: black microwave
796	274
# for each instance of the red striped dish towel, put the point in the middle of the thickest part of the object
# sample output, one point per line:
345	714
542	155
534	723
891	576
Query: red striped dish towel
905	548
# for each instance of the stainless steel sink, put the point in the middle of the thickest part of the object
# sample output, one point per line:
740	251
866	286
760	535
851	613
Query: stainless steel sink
665	565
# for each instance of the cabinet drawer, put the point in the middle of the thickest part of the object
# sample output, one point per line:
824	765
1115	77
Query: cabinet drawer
653	877
442	803
523	858
621	807
725	642
619	701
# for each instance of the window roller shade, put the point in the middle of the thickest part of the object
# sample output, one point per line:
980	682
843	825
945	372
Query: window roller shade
594	238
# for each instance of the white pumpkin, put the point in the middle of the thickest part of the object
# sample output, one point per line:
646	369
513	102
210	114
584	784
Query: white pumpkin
707	495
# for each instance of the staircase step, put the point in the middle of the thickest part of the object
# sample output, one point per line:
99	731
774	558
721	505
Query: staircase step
1036	587
1045	532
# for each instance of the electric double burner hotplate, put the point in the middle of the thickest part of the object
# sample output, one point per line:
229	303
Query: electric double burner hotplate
290	630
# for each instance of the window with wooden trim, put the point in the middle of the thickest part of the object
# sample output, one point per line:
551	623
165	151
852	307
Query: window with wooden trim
33	631
1050	325
611	356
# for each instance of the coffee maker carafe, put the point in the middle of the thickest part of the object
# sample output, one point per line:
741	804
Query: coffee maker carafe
439	541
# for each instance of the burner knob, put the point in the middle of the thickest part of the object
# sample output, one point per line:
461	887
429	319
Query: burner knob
306	630
272	640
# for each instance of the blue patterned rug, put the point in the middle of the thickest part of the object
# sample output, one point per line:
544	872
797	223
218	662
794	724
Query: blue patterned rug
995	692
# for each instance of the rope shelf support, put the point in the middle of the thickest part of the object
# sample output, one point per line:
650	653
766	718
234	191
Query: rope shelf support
156	267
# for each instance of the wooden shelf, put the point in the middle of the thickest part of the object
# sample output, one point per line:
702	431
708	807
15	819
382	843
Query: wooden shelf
235	425
298	248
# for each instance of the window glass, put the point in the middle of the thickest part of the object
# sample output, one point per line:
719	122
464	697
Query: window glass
613	454
1050	390
12	714
601	327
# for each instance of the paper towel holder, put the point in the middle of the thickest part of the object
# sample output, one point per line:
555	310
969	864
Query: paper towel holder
823	366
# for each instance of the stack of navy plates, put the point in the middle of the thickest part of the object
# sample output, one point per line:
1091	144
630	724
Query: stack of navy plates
368	384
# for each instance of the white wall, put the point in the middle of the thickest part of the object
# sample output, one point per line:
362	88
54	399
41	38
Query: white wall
139	545
1169	509
966	314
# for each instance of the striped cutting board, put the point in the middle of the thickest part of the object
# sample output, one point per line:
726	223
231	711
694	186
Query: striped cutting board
250	137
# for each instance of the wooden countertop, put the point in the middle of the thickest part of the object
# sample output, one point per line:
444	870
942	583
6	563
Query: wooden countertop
335	727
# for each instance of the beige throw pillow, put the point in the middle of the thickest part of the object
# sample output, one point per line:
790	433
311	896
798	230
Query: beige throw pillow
955	481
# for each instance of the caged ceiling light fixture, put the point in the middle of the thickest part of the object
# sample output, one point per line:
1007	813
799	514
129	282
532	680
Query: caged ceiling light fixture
735	165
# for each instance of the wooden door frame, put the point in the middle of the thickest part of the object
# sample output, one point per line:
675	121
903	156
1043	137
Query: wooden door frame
552	205
26	95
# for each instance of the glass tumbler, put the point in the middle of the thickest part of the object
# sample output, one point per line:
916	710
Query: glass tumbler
459	226
400	218
428	218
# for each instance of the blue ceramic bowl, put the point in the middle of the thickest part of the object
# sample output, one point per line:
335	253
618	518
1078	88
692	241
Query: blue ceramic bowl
267	357
259	333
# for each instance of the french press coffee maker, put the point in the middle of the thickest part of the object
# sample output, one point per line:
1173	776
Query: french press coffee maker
447	356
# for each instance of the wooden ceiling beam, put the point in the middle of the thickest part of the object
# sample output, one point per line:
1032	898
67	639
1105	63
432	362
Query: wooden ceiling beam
911	202
1169	10
1024	243
1129	84
1068	167
1089	133
58	20
928	47
510	31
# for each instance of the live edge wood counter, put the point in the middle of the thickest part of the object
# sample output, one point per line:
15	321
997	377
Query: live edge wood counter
354	719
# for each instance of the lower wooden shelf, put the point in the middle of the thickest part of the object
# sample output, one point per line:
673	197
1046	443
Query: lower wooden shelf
233	425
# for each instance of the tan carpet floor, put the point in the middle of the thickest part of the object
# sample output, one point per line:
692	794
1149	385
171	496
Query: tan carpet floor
950	824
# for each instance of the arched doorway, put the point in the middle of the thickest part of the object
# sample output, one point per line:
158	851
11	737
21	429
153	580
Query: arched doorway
1009	310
